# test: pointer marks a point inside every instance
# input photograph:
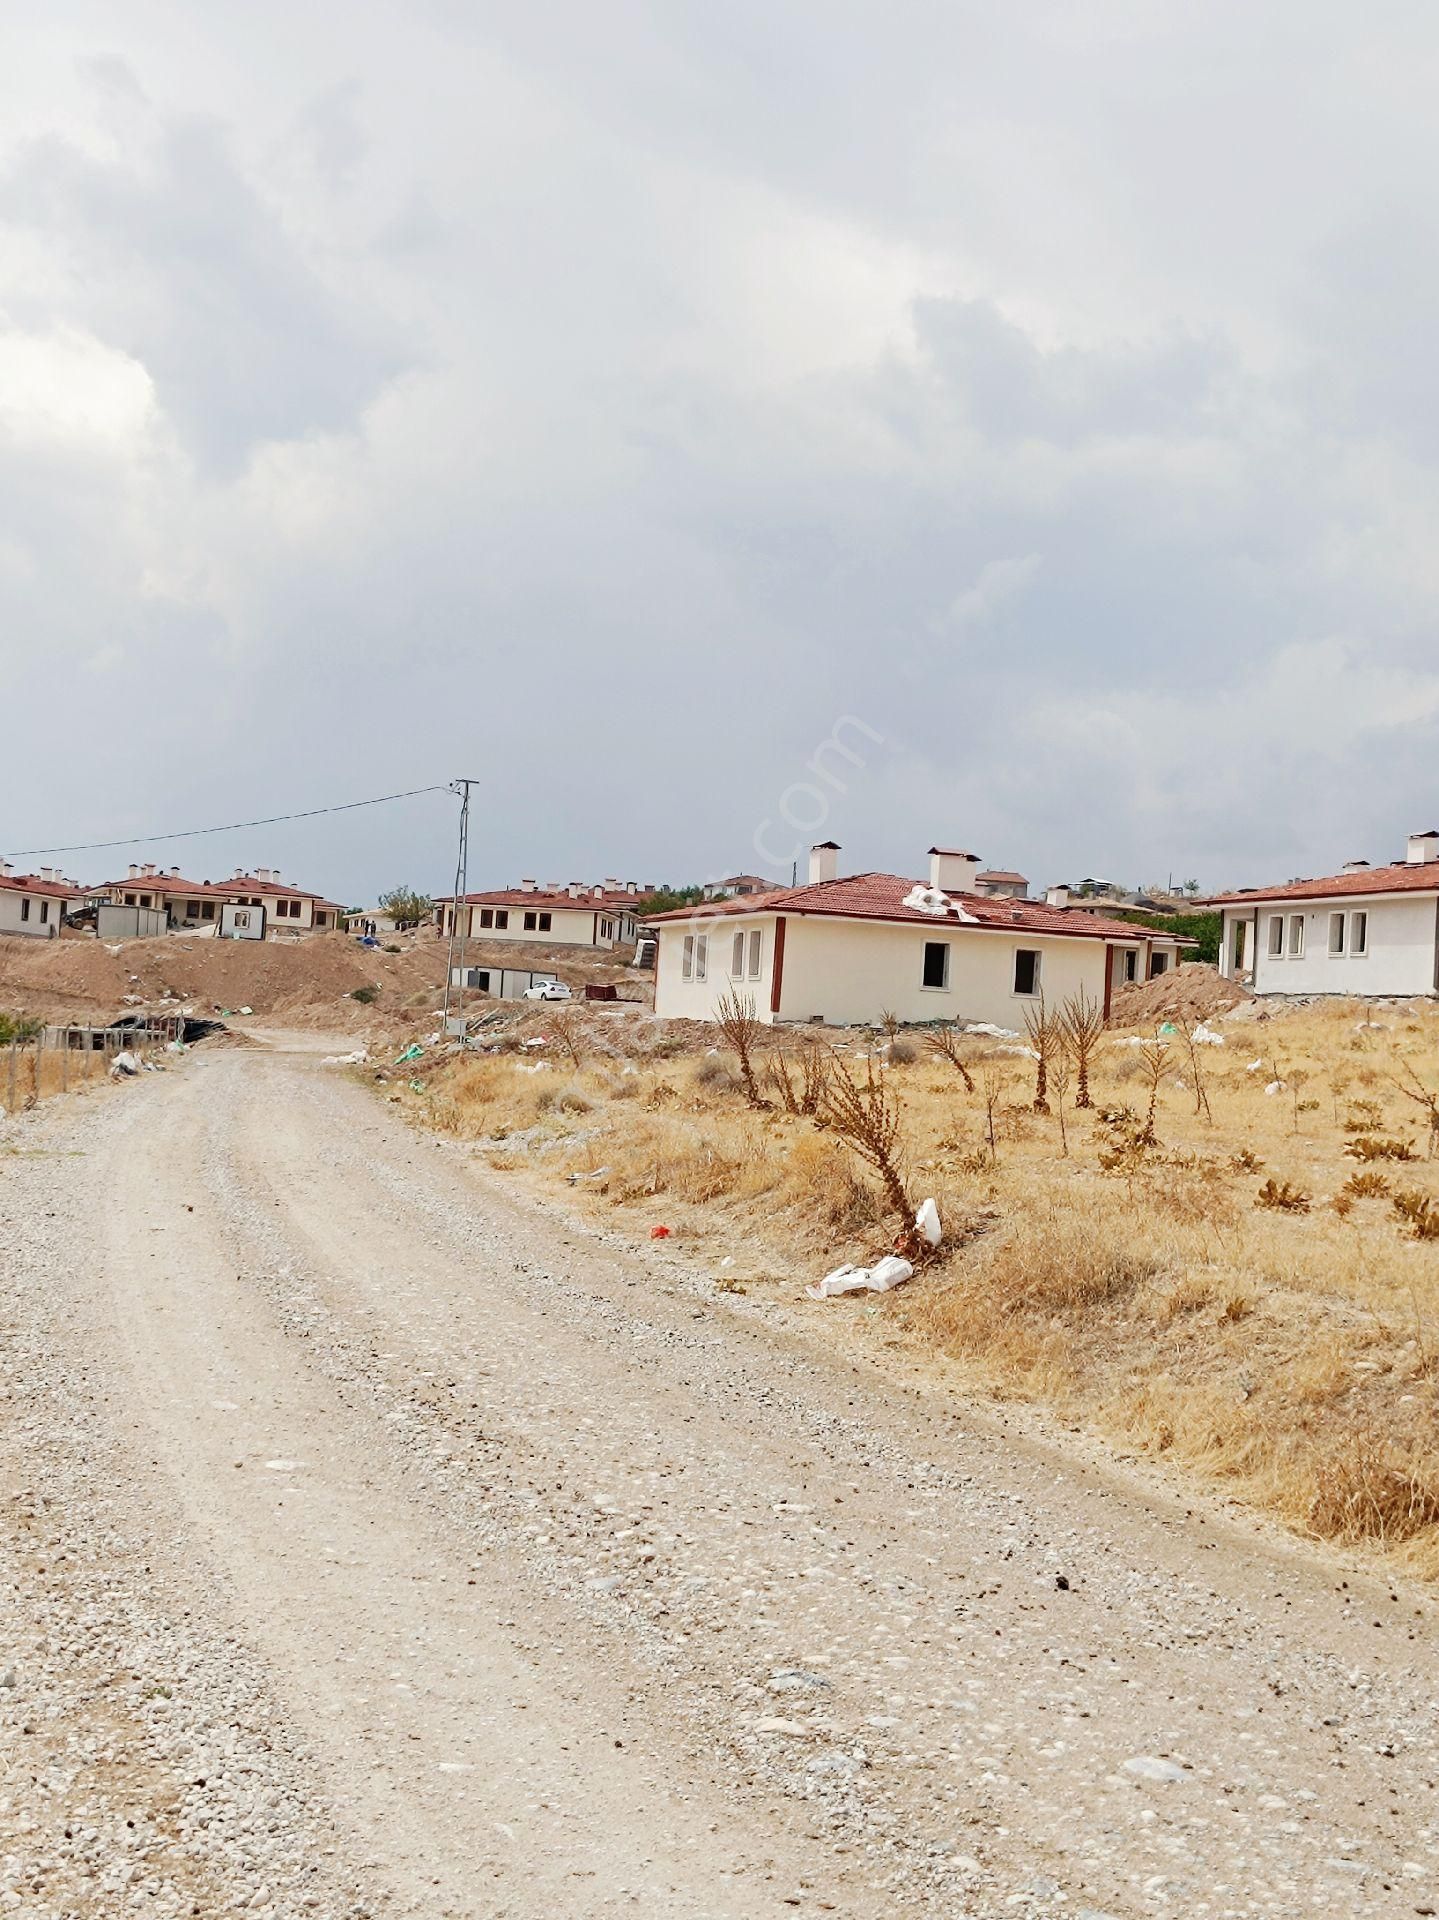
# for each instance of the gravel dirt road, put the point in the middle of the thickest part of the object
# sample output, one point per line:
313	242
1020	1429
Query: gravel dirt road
376	1544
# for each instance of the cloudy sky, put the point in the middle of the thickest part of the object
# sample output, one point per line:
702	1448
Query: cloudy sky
720	426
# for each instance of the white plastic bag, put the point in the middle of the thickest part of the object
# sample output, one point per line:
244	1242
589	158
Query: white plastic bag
880	1278
927	1221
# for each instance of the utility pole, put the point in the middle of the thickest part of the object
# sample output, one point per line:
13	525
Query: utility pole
455	958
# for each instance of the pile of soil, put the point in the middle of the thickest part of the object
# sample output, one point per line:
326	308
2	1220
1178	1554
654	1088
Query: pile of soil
288	983
1194	990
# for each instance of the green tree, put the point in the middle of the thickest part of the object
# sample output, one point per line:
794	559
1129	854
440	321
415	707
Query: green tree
406	907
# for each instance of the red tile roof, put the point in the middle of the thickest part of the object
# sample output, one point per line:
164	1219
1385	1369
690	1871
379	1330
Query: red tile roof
1403	877
998	873
32	883
878	896
532	897
244	883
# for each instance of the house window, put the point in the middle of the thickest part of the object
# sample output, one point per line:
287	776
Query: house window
529	925
1158	963
322	919
736	965
935	970
487	916
1336	933
702	955
756	953
502	919
687	968
44	911
207	910
1026	971
545	923
1276	936
25	909
1131	965
1358	934
1296	936
1241	928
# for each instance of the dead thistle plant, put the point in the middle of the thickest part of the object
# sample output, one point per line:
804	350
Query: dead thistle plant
1406	1081
802	1091
737	1020
1081	1023
1153	1059
866	1117
1044	1037
944	1044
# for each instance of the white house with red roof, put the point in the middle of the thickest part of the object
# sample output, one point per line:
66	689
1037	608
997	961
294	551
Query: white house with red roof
1364	931
35	904
195	905
846	951
602	914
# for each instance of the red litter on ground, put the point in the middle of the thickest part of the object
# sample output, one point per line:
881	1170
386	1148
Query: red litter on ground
659	1233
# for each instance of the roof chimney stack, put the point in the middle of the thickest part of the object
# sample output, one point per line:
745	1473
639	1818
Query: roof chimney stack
1056	896
1423	847
952	871
529	886
823	862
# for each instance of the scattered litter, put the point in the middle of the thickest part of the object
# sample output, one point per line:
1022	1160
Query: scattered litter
538	1041
995	1033
1206	1037
1023	1052
355	1059
124	1066
1254	1066
1167	1027
535	1066
880	1278
244	1009
1275	1086
927	1220
659	1233
412	1052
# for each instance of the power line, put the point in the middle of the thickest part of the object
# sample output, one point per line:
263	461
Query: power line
234	826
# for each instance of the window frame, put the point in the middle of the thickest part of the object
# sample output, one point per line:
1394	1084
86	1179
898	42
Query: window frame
1032	992
1276	936
738	948
702	956
1359	934
1338	926
927	947
531	921
546	922
24	907
1294	944
502	919
756	953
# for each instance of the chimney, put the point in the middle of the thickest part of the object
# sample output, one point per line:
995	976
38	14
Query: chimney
952	871
631	886
1354	866
5	869
823	862
1423	847
573	889
1056	896
597	891
174	873
529	886
134	871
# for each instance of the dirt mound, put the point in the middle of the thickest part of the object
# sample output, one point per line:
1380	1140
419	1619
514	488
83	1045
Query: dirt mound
304	983
1194	990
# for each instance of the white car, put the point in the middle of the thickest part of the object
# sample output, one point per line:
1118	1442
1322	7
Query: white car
549	990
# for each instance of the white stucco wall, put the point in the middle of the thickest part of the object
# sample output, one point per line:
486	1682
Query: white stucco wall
569	926
852	971
1400	956
679	999
11	910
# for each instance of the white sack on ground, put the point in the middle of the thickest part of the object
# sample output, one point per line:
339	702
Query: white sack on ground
927	1221
886	1273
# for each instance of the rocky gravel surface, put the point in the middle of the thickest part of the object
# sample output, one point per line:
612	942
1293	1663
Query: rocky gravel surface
376	1543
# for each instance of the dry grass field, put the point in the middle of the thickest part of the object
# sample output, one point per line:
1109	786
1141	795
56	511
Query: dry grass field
1250	1287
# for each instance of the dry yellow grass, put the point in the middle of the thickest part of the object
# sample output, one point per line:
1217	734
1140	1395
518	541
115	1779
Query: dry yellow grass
1169	1295
30	1074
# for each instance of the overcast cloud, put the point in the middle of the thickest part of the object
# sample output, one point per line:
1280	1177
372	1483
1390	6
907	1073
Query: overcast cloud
608	401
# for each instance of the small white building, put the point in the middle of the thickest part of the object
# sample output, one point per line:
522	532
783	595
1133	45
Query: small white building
846	951
196	905
1365	931
601	915
34	904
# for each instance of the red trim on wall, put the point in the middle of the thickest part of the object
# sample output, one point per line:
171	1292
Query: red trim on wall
777	973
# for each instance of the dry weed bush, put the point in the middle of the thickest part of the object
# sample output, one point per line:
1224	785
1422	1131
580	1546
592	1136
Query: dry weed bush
1250	1343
